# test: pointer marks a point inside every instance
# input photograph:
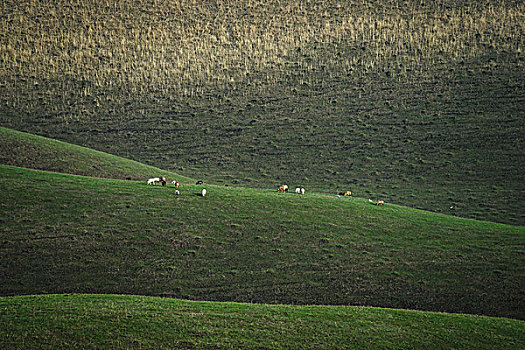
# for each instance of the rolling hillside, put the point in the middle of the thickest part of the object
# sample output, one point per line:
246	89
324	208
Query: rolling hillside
63	233
71	234
420	103
129	322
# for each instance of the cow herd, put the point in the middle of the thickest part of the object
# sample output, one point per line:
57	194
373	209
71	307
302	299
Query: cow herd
162	180
300	190
282	188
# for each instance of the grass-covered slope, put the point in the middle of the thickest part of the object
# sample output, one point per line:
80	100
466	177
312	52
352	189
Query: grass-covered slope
124	322
37	152
419	102
70	234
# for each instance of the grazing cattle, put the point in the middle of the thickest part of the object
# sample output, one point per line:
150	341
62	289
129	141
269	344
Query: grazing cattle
203	193
347	194
302	190
199	182
163	181
283	188
176	183
380	202
177	192
153	180
298	190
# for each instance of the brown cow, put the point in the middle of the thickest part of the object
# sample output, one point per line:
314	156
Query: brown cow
347	194
283	188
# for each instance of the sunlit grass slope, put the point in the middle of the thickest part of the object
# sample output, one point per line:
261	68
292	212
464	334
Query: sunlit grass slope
117	322
419	102
63	233
36	152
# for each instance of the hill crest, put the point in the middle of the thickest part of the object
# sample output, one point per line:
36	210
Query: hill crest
37	152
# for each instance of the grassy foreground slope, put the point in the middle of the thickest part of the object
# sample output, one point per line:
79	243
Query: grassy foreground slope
116	322
71	234
419	102
37	152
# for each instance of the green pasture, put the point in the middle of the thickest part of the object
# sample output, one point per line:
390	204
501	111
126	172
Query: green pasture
418	103
72	234
133	322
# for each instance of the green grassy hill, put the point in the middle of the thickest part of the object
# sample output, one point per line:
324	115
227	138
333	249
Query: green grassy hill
71	234
36	152
118	322
63	233
420	103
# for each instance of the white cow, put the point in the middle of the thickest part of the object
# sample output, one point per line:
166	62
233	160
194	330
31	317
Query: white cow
203	192
302	190
153	180
298	190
